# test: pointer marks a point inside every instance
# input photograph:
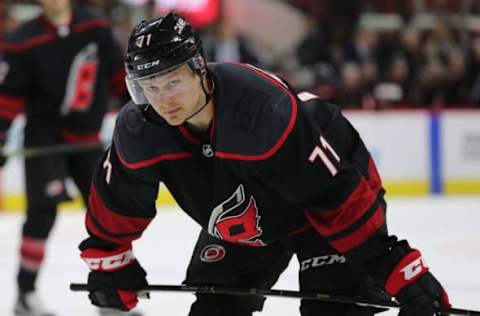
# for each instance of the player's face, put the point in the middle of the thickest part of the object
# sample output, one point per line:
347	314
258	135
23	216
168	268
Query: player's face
176	95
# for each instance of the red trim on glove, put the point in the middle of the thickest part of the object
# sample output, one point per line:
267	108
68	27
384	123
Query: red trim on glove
446	299
128	298
409	269
108	261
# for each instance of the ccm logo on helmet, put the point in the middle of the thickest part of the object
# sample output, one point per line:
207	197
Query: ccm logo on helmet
212	253
148	65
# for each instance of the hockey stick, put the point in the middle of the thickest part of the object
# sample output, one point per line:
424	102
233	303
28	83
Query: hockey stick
33	152
378	303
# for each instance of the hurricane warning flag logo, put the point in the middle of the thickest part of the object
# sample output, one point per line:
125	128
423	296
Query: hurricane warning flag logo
234	222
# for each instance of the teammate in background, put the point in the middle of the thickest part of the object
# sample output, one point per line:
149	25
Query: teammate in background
266	172
60	69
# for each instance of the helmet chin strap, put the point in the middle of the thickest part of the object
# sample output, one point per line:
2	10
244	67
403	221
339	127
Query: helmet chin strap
208	97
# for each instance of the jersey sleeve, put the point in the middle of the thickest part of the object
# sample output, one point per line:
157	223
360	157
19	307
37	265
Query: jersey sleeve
121	203
324	169
15	69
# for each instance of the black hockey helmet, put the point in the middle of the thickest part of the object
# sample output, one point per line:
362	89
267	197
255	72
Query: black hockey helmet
159	46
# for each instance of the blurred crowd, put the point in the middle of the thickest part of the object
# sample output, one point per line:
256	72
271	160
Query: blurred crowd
365	54
384	54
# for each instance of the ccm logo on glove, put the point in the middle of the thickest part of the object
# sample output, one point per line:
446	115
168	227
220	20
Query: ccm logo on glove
410	268
98	260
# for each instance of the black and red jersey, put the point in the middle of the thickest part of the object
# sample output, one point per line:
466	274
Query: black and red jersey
273	164
61	78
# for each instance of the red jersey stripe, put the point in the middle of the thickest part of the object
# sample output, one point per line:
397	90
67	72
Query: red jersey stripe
335	221
106	224
375	182
7	115
361	235
11	103
36	41
150	162
85	26
80	138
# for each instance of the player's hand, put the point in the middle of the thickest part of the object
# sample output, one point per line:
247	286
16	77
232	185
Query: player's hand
421	297
415	288
115	277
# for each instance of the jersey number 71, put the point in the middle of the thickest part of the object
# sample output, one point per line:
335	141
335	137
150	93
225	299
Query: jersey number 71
327	156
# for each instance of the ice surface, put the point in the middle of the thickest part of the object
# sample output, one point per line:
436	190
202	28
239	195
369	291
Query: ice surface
446	229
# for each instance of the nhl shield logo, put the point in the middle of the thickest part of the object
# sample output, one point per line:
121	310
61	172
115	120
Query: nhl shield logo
234	222
207	150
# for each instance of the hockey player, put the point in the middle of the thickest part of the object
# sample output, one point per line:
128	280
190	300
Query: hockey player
265	171
58	68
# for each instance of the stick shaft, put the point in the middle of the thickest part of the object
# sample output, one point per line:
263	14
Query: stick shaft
32	152
378	303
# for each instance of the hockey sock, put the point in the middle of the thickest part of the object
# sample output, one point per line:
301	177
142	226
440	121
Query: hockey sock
32	252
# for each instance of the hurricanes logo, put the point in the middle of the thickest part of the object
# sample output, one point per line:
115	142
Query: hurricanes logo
80	88
212	253
234	222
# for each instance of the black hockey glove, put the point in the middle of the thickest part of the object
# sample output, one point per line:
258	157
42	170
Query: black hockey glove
115	277
406	277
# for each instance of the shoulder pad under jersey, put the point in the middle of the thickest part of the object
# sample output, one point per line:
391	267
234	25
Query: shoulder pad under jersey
255	112
140	143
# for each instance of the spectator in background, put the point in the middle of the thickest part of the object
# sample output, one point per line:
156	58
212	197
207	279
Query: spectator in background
456	88
122	24
58	68
313	69
439	46
431	84
411	50
441	42
473	70
313	48
225	44
353	92
394	89
363	51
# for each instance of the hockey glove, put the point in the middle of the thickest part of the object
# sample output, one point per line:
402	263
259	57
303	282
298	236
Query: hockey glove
115	276
407	278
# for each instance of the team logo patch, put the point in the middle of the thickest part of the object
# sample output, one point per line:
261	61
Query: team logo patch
212	253
237	220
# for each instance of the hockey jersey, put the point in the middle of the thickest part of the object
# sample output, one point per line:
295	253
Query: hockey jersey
61	78
274	164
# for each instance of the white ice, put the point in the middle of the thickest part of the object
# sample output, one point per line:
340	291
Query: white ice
446	229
